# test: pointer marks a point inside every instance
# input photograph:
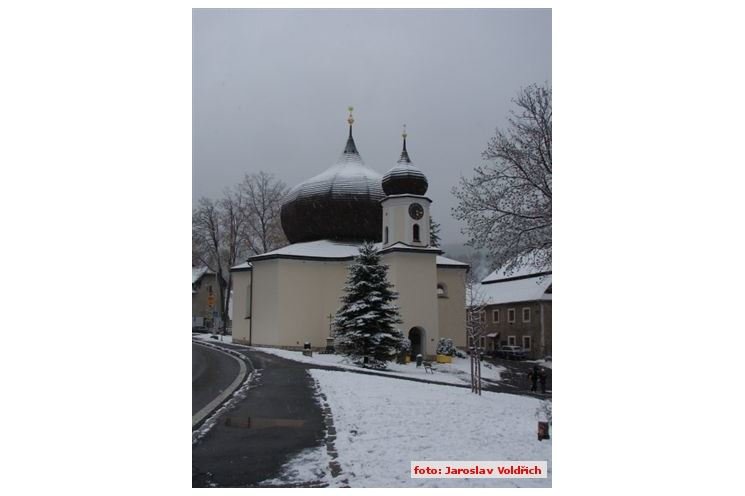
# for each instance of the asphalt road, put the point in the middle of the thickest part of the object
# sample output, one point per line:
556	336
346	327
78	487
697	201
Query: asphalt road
278	418
515	378
211	373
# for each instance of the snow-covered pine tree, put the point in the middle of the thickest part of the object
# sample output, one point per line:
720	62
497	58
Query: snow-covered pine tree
366	323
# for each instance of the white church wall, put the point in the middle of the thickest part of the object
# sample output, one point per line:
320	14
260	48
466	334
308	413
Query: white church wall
414	276
241	325
309	291
452	308
266	303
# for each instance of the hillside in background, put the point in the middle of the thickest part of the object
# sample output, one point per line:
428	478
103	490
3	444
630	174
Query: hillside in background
478	260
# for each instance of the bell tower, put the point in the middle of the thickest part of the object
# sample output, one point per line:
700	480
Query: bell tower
405	208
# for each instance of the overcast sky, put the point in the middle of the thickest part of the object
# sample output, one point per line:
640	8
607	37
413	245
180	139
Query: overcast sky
271	89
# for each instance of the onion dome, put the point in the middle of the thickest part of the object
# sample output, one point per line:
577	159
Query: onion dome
404	178
341	203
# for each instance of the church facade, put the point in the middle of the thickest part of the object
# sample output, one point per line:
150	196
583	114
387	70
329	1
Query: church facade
288	297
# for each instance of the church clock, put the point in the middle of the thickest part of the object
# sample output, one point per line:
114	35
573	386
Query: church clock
416	211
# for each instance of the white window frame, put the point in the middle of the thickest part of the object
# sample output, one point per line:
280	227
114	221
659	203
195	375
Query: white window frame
511	340
530	342
495	316
528	309
511	320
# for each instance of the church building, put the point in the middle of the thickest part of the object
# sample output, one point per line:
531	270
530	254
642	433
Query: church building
288	297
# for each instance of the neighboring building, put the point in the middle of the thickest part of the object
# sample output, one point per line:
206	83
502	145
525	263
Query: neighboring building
517	311
287	297
203	283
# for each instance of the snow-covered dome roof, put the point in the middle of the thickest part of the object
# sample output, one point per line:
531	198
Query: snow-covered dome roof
340	203
404	178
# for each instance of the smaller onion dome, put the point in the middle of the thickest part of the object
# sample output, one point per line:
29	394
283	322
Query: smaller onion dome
404	178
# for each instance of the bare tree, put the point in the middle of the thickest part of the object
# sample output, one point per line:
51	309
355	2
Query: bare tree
475	327
234	216
263	194
507	204
208	244
244	222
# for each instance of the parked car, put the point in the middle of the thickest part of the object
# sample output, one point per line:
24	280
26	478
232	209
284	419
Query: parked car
200	329
511	352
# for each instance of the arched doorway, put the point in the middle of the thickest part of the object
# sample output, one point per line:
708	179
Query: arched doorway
417	336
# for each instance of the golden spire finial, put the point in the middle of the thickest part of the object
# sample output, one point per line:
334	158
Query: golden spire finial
403	135
350	120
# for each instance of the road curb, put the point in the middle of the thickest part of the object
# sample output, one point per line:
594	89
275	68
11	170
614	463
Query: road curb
212	405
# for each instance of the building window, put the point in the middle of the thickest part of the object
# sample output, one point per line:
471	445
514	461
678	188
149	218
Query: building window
386	235
526	314
416	233
526	342
511	340
511	315
482	316
442	290
481	342
495	316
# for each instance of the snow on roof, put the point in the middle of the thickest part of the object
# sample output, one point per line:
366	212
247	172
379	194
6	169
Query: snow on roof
526	269
347	178
322	248
514	290
244	265
449	261
335	250
197	272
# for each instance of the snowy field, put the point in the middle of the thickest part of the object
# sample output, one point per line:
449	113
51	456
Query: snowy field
383	424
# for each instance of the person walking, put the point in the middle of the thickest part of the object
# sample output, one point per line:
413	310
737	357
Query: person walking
533	376
542	378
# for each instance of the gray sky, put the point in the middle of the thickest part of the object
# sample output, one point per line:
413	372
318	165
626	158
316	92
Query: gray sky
271	89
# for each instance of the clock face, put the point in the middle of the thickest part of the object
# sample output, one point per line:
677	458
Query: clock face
416	211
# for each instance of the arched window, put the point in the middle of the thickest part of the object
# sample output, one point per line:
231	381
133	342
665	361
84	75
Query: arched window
385	238
416	233
442	290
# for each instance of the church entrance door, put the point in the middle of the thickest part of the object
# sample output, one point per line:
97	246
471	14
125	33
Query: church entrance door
416	336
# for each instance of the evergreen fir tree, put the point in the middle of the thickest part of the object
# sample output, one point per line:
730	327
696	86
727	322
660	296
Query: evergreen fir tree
434	233
365	324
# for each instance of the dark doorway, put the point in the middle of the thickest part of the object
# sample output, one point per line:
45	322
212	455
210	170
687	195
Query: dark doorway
416	336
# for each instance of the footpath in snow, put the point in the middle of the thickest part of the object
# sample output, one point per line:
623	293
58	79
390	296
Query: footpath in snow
382	425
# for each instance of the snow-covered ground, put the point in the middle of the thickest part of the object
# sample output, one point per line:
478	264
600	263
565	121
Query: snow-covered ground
458	372
208	338
382	425
542	363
